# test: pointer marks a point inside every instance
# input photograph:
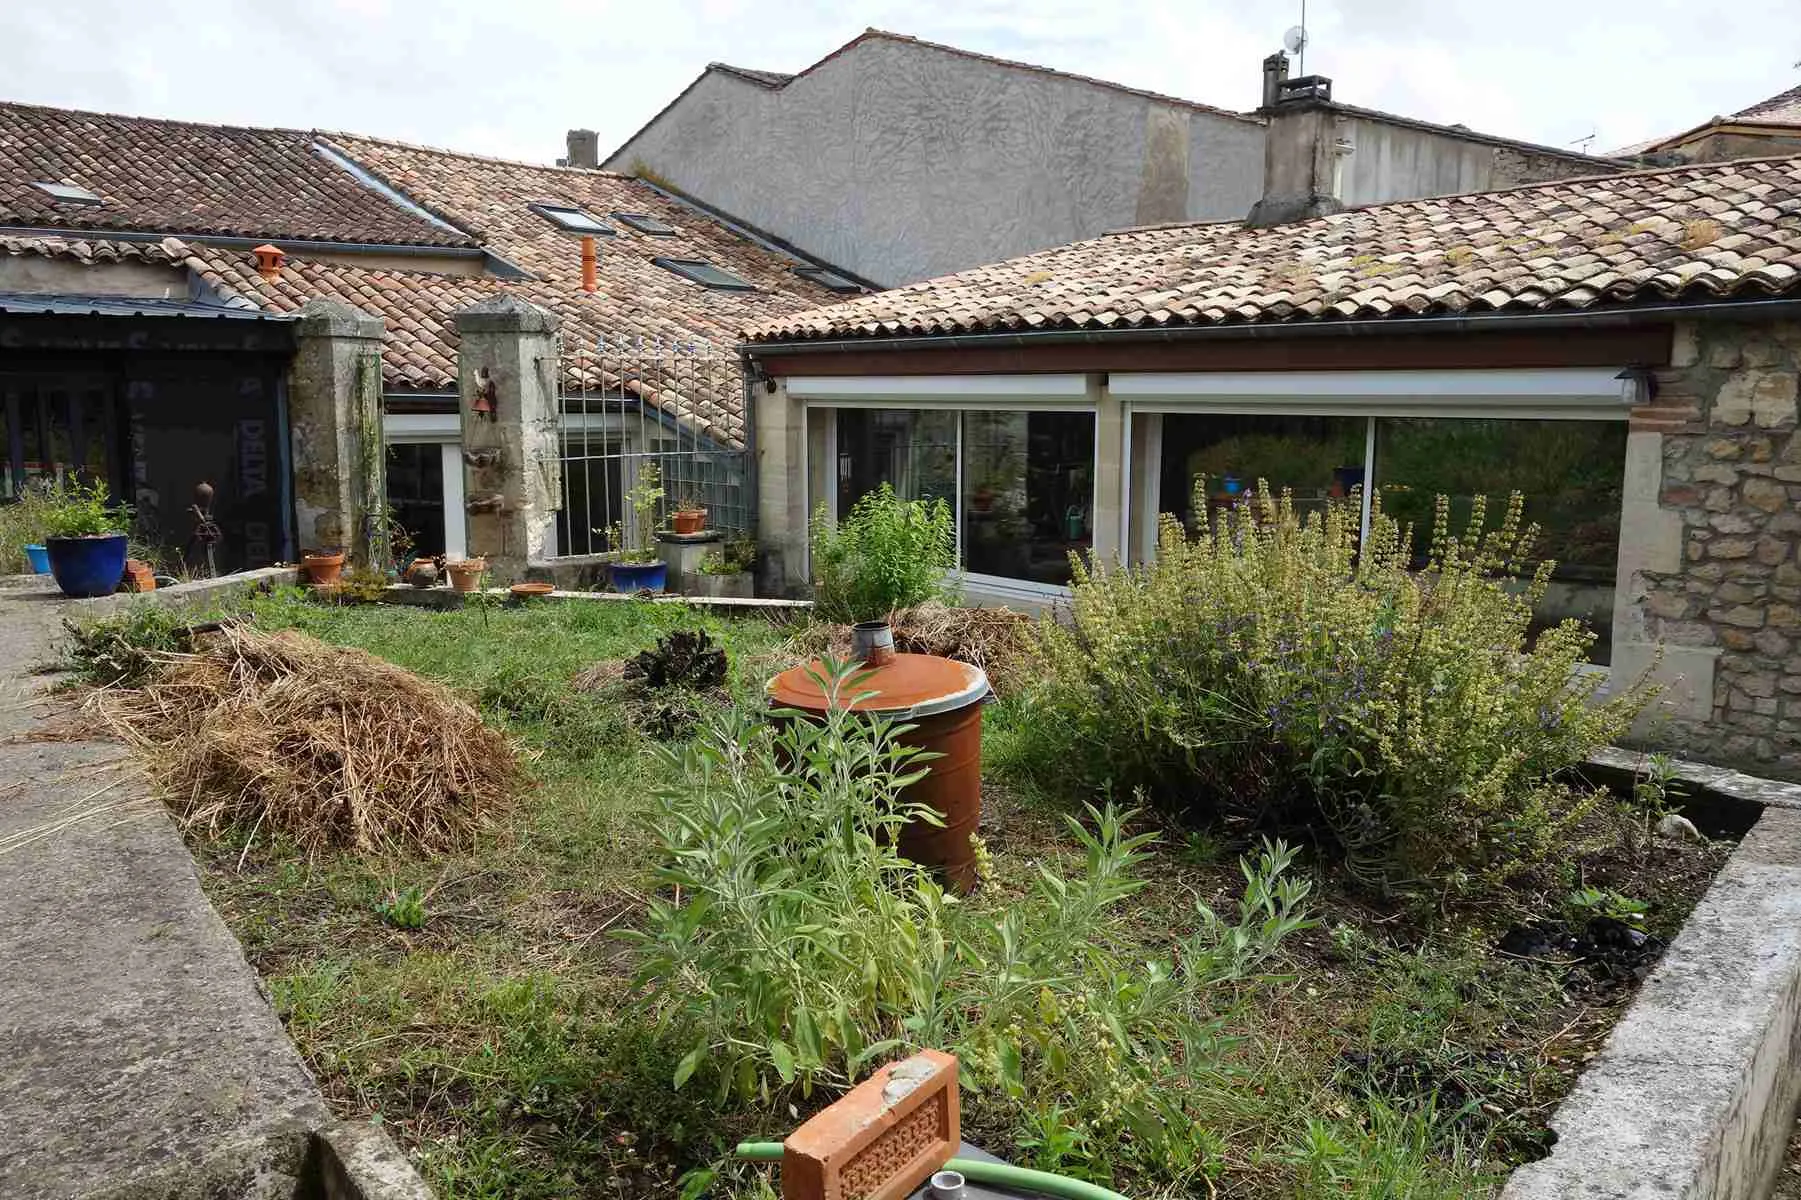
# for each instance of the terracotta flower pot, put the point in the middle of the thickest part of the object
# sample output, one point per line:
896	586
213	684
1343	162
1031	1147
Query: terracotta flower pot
689	520
324	569
466	576
422	573
530	588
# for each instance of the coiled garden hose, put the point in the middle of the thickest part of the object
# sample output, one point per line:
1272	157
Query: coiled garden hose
978	1171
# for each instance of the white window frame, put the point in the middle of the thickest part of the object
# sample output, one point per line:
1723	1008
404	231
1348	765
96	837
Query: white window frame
960	393
445	431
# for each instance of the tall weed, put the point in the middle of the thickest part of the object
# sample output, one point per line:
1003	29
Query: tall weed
796	947
1272	669
886	553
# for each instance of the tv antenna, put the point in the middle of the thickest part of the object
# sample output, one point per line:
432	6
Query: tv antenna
1295	41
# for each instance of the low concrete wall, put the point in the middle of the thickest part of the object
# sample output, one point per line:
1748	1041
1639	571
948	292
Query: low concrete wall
448	598
1694	1095
358	1161
198	595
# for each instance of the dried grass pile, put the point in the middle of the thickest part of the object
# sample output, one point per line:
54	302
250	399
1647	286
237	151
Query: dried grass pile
331	746
998	640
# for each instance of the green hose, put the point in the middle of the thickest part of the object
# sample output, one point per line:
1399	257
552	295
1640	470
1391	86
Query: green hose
977	1171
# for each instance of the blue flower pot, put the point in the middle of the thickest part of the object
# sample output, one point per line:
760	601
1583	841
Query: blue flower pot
87	566
636	577
39	558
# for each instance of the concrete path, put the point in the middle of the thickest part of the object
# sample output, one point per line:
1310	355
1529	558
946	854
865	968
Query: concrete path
138	1055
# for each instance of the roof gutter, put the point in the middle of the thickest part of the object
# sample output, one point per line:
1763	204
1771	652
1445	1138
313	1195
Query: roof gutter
500	266
1742	310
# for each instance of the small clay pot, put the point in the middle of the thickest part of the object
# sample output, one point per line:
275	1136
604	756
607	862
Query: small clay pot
689	520
324	569
422	573
466	576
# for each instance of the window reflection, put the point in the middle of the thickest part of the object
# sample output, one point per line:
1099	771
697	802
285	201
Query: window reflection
914	452
1314	458
1028	493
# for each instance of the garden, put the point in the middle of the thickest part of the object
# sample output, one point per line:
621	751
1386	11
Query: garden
1290	882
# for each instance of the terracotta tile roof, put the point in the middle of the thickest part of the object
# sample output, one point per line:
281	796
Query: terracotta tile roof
1691	233
176	177
1784	108
96	250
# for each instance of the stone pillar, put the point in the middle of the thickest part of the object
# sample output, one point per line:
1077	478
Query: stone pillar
507	395
782	469
335	432
1109	516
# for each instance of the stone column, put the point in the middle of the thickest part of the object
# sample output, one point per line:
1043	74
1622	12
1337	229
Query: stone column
335	432
507	385
782	471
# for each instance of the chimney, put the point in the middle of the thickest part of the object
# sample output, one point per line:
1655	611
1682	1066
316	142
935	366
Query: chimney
1275	70
1301	148
269	262
584	149
590	264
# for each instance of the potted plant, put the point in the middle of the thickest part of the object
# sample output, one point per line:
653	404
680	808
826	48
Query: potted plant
638	568
689	516
86	541
324	568
466	574
727	572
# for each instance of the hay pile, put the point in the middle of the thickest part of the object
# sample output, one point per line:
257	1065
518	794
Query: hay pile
998	640
332	747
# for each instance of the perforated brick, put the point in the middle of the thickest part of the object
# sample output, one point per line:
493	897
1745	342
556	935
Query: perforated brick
882	1140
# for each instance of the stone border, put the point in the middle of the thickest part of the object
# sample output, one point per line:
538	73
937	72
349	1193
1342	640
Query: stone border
1722	781
196	594
1694	1095
448	598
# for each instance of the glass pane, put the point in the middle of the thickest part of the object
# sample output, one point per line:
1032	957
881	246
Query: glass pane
1570	472
1028	493
913	452
416	494
1312	457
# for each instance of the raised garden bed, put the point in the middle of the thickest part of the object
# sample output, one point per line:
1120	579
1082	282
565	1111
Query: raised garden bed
478	1002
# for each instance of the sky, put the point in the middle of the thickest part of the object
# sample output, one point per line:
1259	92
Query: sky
509	78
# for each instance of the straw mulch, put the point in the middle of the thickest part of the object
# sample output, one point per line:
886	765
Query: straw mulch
332	747
998	640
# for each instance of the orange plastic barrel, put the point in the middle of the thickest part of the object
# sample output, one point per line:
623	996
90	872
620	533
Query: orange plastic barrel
942	699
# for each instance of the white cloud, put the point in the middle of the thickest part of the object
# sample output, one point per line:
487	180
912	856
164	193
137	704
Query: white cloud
510	78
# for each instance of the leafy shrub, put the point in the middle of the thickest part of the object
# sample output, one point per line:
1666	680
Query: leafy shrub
1268	669
798	948
886	553
127	649
81	510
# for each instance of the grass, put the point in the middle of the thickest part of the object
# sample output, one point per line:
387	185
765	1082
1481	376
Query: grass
488	1026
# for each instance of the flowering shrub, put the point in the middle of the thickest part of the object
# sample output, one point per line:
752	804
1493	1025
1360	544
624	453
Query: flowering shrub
1267	669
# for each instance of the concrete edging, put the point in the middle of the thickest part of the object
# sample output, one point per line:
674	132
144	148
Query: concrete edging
1694	1095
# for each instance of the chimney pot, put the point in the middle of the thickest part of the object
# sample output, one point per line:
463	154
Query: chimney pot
1275	70
590	264
269	262
584	148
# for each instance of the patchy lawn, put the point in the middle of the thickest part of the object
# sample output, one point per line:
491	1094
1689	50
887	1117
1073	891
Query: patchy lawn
1394	1052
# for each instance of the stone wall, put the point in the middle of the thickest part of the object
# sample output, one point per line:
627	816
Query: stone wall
1725	414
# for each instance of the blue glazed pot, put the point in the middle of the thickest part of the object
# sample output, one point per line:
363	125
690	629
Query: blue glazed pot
38	557
87	566
635	577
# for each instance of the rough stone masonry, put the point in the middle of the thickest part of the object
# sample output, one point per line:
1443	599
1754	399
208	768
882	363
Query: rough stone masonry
1729	589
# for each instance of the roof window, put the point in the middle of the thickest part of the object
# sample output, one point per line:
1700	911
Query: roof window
705	273
645	223
68	193
574	219
828	279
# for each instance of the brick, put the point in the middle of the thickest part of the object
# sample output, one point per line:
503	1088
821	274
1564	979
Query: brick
882	1139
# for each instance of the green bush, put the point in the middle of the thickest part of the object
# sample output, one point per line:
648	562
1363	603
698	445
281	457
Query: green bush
886	553
48	508
1268	669
797	949
84	510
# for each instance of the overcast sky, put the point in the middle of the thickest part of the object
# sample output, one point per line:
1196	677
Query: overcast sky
508	77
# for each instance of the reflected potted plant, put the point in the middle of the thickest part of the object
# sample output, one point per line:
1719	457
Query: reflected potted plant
689	516
86	541
637	569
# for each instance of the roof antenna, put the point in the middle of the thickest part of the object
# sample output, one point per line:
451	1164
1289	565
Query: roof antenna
1585	141
1295	41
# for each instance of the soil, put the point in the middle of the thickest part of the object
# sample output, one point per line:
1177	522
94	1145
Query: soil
1788	1180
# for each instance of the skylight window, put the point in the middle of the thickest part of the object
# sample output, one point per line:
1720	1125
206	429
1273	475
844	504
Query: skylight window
68	193
705	273
828	279
576	220
644	223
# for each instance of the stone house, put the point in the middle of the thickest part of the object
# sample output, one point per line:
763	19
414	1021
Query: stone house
184	302
901	159
1771	126
1624	350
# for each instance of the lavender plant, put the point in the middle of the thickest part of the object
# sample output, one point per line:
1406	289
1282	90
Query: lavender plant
1272	668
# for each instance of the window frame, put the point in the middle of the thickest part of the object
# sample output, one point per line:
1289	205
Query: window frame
817	275
87	197
631	220
675	266
551	212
